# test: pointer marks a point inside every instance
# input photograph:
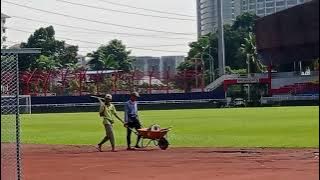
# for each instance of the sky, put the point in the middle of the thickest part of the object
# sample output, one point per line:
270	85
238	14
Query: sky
94	27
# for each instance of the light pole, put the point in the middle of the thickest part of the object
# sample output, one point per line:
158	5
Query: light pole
221	50
248	63
211	66
212	74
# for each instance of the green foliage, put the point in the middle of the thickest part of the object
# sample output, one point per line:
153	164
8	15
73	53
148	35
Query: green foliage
68	56
249	50
106	86
186	65
235	35
238	127
74	86
111	56
239	71
245	22
44	38
92	88
46	63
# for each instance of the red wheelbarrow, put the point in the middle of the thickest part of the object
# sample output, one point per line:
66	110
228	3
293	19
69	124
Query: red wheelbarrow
158	137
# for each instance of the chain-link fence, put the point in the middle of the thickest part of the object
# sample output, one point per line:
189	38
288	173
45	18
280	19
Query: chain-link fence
10	122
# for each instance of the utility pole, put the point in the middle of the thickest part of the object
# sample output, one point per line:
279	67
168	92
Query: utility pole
221	51
248	63
198	19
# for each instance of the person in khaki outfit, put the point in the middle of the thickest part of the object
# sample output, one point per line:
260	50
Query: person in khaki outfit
107	112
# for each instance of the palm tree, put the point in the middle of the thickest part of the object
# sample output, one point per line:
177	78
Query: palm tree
108	61
249	50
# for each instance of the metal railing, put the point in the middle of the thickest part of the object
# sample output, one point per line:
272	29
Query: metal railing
122	103
265	100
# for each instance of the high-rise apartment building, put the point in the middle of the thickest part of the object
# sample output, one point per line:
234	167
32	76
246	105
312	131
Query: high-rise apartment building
159	65
207	11
266	7
208	16
3	29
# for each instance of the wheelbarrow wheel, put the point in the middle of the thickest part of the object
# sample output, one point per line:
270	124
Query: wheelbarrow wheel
163	144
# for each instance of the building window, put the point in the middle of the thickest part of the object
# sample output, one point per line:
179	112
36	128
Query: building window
292	2
269	4
252	7
260	12
280	3
270	10
279	9
260	5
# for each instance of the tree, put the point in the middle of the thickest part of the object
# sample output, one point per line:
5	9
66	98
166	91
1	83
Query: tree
110	56
47	63
207	46
245	22
233	39
249	50
68	55
107	61
44	38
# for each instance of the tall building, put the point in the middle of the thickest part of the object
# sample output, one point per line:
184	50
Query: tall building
3	29
159	65
170	64
207	11
147	64
208	16
266	7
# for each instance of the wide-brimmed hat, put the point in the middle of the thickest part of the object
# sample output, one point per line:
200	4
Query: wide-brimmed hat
136	94
108	96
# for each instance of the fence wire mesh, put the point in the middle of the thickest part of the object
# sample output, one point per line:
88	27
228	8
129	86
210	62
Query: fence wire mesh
10	118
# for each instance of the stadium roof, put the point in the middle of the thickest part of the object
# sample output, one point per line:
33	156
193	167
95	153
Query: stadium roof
289	35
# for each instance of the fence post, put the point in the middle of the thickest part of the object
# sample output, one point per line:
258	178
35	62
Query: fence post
270	79
202	79
167	79
150	80
47	82
185	81
133	78
28	81
64	77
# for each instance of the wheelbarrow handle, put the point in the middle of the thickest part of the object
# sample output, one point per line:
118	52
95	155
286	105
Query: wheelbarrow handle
134	131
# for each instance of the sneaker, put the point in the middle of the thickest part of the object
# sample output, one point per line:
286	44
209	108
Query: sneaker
99	148
137	146
130	149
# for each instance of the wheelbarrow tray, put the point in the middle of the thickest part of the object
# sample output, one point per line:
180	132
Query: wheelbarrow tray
153	135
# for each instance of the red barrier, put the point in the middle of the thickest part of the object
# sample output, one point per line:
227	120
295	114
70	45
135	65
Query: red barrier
59	82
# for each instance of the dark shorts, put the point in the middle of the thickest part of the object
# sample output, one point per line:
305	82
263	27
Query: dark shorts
134	123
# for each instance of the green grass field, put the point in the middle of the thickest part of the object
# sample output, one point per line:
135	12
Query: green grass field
243	127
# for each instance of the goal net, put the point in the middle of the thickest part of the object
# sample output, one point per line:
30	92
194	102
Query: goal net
24	104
